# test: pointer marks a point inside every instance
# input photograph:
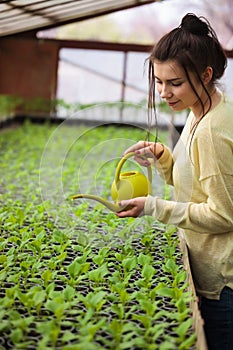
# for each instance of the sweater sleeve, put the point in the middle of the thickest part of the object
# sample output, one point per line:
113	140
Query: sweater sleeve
214	216
164	166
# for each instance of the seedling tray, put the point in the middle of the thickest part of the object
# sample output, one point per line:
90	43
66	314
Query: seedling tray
73	275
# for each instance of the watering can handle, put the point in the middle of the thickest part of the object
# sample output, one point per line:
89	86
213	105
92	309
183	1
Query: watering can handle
122	161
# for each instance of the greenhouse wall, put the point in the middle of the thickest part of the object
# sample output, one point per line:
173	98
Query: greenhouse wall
28	69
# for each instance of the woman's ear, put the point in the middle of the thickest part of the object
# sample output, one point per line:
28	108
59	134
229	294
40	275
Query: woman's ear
207	75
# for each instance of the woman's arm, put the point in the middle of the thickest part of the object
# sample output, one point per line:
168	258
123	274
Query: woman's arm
213	216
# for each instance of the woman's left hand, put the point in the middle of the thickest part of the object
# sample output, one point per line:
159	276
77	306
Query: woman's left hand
133	207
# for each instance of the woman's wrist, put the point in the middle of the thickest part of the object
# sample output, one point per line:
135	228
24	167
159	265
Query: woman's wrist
159	150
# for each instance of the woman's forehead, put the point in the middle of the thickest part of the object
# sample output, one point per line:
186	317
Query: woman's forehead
168	68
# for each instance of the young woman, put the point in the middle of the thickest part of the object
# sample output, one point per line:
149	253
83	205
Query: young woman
185	66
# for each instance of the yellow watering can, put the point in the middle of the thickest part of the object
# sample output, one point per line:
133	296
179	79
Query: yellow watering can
126	185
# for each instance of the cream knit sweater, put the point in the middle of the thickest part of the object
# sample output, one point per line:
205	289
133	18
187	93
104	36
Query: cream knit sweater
201	171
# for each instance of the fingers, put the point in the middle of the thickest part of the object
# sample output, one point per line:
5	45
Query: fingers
131	208
142	161
142	150
125	214
146	149
137	146
125	205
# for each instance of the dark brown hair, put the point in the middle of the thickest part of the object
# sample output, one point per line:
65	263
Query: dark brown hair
194	46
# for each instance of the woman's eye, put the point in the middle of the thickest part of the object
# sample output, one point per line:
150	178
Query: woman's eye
176	84
158	82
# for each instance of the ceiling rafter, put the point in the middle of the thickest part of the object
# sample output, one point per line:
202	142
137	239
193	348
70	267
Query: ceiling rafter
22	16
24	9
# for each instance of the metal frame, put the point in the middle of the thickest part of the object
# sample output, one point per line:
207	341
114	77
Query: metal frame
21	16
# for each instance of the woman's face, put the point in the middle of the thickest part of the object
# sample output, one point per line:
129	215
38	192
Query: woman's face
174	87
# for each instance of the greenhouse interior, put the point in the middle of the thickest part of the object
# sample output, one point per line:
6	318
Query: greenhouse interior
73	275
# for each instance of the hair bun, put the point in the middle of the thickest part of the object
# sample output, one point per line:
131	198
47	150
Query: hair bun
194	25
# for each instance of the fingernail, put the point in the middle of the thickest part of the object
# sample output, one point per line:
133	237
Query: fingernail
137	152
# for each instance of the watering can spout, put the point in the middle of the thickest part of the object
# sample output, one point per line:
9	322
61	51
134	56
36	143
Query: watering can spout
111	206
125	186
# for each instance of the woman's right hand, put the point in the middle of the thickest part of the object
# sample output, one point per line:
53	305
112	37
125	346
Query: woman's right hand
145	149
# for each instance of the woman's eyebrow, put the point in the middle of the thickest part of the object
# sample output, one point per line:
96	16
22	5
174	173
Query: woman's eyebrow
172	79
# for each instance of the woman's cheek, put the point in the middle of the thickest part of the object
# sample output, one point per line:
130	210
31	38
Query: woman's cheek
159	89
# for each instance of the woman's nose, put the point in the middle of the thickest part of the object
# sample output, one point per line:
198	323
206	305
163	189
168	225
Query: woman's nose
165	92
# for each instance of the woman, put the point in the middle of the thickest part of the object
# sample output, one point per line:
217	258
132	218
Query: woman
185	66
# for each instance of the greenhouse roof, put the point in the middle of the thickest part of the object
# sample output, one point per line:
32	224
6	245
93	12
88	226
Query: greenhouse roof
20	16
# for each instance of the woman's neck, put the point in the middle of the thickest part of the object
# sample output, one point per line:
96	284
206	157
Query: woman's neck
198	112
208	105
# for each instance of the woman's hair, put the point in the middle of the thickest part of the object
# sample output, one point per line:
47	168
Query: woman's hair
194	46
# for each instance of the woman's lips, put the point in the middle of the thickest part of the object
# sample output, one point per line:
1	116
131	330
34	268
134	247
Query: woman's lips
172	104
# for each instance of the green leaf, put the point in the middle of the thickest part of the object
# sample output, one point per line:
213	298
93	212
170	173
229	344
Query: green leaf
165	292
61	257
180	277
129	263
20	216
148	272
119	257
148	307
181	305
68	336
69	293
115	327
46	276
144	259
82	239
98	259
171	267
97	298
59	236
118	309
85	267
56	307
98	274
73	269
49	330
16	335
22	322
144	319
39	297
14	315
93	300
183	328
3	258
188	343
124	296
